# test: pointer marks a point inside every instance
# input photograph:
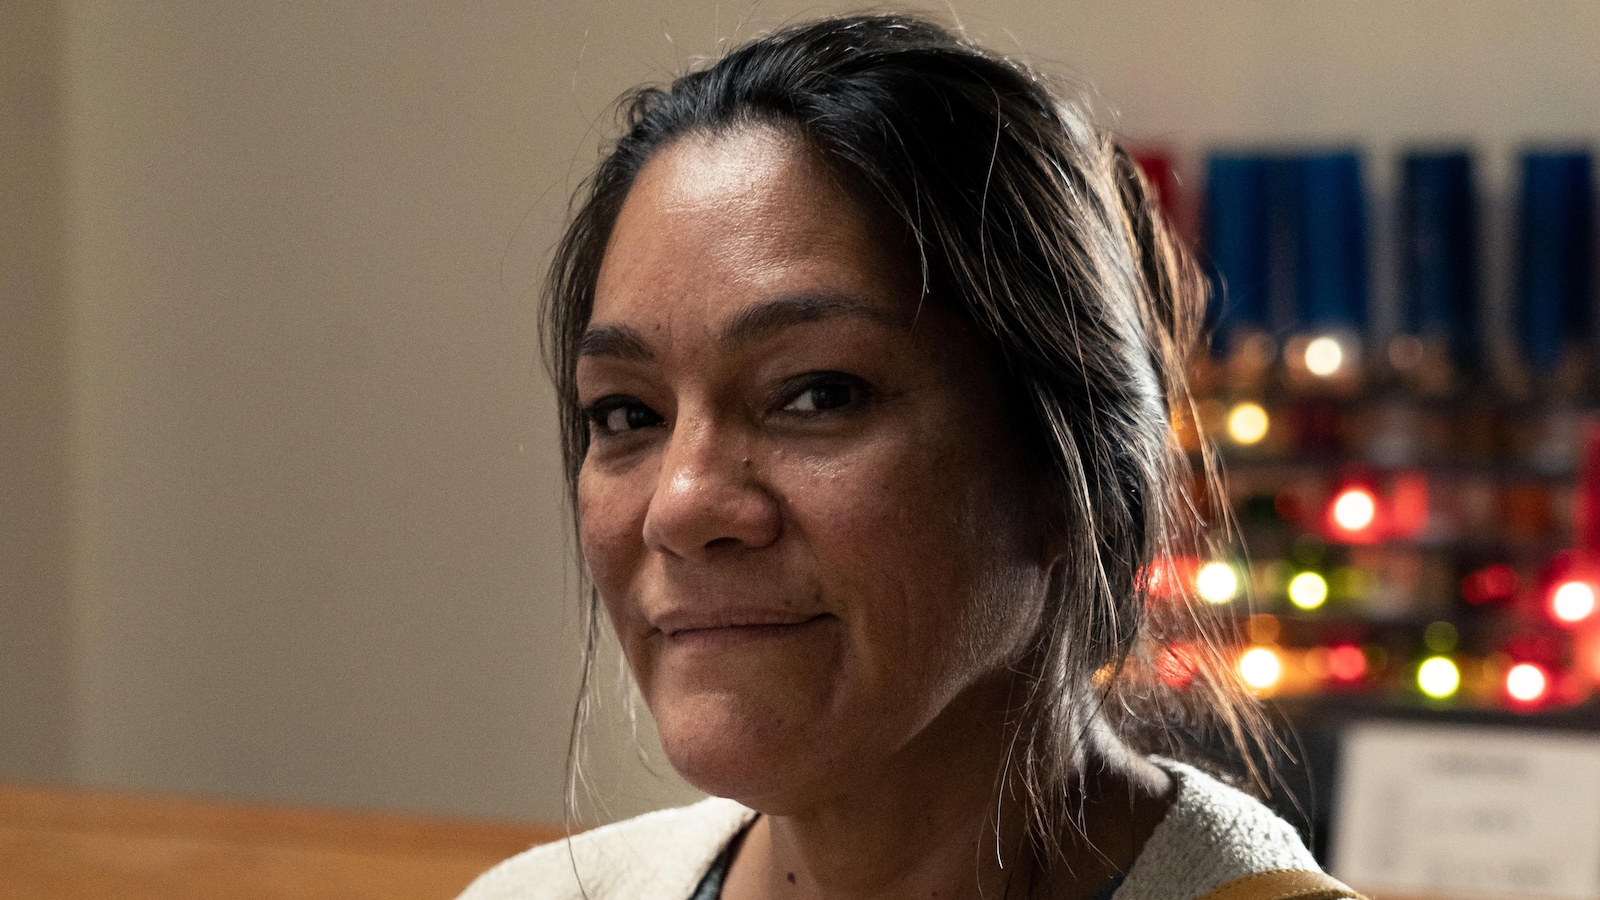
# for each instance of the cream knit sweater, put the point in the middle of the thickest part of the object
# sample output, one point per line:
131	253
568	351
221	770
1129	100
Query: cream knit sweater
1211	835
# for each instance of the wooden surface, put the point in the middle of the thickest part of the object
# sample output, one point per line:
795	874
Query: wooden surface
60	843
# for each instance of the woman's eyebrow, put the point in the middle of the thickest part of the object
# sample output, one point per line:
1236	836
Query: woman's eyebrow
760	320
754	322
616	341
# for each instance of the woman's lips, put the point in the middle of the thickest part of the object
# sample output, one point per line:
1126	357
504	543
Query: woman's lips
724	631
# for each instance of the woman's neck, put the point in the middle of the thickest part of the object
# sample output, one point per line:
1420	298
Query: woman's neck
942	822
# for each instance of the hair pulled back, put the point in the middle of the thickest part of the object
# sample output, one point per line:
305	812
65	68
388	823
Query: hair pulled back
1043	232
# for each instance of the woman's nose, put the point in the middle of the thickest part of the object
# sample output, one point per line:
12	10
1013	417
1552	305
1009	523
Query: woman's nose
709	498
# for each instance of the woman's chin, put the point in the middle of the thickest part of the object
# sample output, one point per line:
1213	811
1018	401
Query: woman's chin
752	756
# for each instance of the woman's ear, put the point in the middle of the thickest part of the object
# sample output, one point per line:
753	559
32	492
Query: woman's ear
1061	552
1059	531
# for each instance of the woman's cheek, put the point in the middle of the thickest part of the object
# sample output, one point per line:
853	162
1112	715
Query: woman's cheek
881	526
611	511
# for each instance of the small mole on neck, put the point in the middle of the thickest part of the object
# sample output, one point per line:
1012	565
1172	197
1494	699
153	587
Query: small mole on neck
791	878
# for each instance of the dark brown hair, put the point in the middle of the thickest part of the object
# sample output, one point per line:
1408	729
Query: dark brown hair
1043	232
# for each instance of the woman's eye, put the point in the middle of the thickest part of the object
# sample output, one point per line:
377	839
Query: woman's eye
825	395
620	417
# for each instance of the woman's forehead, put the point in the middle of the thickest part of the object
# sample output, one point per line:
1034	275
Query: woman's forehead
716	222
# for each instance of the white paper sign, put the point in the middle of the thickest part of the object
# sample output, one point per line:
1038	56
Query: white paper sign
1468	812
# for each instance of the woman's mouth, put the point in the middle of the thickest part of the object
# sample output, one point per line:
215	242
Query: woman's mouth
714	631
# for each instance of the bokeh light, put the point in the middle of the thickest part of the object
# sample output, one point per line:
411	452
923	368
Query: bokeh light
1354	509
1176	667
1526	682
1217	582
1308	590
1572	601
1260	668
1324	356
1438	677
1346	662
1263	628
1440	637
1247	423
1490	584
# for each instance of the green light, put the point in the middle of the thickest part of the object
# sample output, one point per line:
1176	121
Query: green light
1441	637
1438	677
1308	590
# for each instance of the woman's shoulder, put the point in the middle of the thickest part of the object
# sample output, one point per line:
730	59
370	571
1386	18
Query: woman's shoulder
657	855
1213	834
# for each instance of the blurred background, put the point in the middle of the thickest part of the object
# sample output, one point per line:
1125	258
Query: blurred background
280	505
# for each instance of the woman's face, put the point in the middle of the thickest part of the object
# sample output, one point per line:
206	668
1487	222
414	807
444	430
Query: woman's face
801	502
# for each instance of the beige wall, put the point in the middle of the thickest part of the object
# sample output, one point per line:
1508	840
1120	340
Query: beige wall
36	634
314	543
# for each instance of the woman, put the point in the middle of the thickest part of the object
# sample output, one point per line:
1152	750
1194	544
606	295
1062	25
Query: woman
867	350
